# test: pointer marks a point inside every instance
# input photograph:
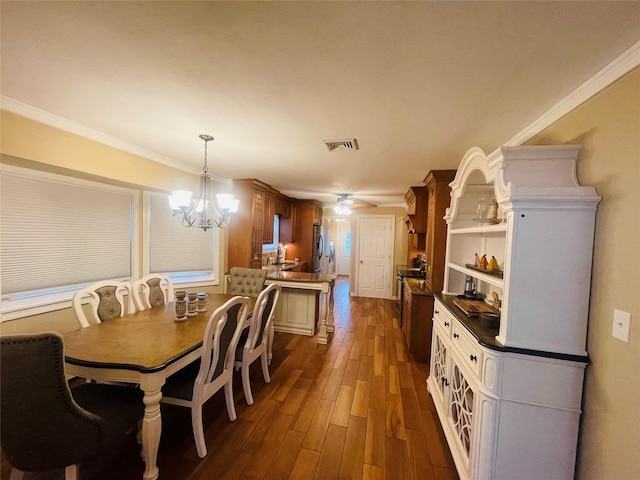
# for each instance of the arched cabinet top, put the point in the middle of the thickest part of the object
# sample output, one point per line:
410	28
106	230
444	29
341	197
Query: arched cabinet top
541	176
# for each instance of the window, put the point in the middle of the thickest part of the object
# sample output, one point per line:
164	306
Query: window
185	254
60	233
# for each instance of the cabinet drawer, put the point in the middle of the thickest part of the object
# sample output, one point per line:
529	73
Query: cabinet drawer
442	317
469	350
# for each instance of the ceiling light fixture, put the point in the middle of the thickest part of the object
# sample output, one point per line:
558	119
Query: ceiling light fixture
205	211
342	210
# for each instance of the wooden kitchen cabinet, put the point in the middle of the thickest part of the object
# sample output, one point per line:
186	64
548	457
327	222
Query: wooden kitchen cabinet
288	225
509	398
438	198
433	199
282	206
416	198
269	212
305	214
247	226
416	320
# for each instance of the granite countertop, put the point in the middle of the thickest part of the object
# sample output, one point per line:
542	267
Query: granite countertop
301	277
283	267
415	286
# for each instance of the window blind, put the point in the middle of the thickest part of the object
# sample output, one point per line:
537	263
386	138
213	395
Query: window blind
58	232
174	248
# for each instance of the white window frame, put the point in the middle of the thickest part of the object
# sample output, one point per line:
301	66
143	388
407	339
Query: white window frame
184	280
37	302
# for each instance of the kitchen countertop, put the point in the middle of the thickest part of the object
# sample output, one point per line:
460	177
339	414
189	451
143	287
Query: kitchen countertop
301	277
414	286
283	267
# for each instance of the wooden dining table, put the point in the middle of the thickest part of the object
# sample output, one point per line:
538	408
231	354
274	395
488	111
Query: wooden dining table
142	348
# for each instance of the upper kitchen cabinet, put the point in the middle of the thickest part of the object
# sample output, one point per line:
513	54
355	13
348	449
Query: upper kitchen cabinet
306	214
269	212
282	206
288	225
438	198
247	227
253	225
416	198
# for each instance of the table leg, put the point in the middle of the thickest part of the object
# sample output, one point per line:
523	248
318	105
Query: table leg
151	429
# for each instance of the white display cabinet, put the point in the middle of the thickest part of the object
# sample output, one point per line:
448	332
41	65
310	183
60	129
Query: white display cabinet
509	398
543	243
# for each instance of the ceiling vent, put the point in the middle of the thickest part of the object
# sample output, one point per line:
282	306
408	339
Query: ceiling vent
347	144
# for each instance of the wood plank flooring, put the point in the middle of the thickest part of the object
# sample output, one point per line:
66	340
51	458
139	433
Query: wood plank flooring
357	408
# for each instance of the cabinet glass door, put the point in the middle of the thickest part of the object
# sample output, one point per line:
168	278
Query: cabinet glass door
461	407
438	365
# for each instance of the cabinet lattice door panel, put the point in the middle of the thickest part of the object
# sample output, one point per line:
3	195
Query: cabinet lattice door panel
461	407
439	363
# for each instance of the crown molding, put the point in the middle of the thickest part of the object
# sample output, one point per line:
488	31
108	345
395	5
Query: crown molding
615	70
36	114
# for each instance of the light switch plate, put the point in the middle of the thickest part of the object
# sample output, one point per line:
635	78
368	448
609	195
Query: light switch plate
621	323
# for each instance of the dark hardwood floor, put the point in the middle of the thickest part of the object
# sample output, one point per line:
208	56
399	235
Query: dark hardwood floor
355	408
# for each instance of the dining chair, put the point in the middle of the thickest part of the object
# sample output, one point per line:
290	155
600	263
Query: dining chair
246	281
152	290
193	385
109	299
255	341
45	424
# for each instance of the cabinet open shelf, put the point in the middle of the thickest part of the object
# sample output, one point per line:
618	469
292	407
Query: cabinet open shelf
500	228
480	275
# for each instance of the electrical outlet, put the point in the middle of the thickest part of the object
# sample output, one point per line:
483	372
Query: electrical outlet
621	323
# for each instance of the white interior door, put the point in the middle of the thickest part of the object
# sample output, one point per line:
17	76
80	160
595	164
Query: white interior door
343	248
375	255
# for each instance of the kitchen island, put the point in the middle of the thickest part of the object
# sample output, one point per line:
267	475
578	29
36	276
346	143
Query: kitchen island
306	303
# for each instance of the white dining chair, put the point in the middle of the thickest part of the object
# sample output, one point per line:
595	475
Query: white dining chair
255	341
108	299
193	385
153	290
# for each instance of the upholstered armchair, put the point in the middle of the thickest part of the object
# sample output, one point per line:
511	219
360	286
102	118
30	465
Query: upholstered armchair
248	282
45	425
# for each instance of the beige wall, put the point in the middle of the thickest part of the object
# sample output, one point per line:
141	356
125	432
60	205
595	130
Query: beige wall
608	127
30	144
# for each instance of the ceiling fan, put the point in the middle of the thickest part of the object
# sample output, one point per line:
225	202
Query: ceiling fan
346	203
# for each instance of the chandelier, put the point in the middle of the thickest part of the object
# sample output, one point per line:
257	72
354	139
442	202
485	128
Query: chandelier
205	211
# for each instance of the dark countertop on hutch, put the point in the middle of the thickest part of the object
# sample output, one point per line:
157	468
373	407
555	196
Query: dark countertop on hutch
486	336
